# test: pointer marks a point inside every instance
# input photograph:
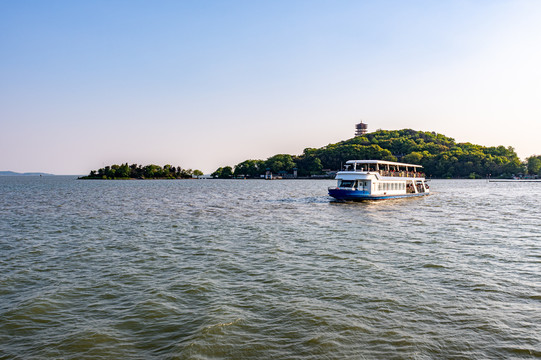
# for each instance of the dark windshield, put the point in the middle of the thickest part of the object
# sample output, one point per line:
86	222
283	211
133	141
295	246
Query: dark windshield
347	183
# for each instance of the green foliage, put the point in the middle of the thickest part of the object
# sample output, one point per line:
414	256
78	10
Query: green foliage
134	171
534	165
249	168
309	164
279	163
440	156
333	156
223	173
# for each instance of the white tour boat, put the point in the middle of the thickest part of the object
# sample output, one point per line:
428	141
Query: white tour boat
377	180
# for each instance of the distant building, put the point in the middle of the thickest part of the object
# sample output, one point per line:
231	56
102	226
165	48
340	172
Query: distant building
361	129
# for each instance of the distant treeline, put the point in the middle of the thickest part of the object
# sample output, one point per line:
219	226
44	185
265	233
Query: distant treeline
135	171
440	156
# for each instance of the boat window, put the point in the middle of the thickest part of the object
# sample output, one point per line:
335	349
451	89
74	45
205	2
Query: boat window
347	183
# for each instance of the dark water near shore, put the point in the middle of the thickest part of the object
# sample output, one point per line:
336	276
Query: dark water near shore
219	269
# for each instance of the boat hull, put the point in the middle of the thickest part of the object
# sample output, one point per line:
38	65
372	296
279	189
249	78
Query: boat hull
356	195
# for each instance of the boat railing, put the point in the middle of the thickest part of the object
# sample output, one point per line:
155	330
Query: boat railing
413	174
391	173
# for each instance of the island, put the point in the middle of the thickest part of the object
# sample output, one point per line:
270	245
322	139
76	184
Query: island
134	171
440	156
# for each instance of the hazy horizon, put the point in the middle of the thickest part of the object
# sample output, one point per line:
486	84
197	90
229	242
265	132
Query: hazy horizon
209	84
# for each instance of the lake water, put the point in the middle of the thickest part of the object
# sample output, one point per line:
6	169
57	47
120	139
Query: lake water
218	269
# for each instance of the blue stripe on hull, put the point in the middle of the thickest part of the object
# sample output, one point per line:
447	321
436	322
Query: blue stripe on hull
354	195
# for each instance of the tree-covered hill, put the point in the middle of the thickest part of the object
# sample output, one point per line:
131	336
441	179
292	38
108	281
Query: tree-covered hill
440	156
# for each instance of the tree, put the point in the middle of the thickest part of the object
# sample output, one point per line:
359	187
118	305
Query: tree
308	165
534	165
152	171
223	173
217	173
250	168
280	162
227	173
123	171
413	158
198	173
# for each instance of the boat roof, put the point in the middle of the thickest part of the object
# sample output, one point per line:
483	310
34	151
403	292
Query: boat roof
380	162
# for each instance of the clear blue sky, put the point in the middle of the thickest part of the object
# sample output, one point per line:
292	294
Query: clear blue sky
203	84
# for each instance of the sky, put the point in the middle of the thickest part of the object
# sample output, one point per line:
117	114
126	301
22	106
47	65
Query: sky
203	84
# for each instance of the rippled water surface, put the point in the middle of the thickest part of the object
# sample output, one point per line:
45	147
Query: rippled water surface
217	269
